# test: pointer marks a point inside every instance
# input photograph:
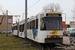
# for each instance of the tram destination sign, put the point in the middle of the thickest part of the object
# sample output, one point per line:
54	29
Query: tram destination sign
53	15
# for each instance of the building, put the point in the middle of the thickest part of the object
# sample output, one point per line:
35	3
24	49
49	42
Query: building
3	24
72	24
67	25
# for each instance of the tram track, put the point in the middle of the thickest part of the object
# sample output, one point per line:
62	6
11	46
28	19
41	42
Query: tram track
45	47
40	46
56	46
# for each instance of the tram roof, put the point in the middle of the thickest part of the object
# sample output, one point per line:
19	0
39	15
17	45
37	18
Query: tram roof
55	12
34	17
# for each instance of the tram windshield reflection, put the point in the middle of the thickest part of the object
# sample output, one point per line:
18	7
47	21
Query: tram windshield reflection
52	23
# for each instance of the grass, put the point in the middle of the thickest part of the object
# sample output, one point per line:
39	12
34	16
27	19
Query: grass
13	43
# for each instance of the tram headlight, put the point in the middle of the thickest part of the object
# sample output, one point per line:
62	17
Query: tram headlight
49	36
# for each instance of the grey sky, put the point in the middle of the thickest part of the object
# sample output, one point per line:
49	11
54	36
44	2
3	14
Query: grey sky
17	7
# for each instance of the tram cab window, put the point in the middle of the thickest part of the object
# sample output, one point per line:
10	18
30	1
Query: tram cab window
51	23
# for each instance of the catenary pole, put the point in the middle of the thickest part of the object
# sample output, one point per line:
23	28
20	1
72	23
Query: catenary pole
25	20
6	22
18	28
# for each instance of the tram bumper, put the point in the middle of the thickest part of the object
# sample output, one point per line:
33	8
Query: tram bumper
53	40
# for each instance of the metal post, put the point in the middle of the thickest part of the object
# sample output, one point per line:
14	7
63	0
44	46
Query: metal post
25	20
6	22
18	28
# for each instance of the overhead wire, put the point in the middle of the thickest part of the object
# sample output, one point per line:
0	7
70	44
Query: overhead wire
14	15
10	13
31	6
28	8
34	4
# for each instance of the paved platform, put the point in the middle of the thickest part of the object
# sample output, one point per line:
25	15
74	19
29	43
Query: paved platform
68	40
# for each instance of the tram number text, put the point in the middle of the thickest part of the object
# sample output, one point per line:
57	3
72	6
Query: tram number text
52	33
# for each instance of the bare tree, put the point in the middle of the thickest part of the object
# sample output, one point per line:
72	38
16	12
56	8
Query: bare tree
3	13
52	8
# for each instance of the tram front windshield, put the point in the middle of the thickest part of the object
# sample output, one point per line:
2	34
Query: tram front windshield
51	23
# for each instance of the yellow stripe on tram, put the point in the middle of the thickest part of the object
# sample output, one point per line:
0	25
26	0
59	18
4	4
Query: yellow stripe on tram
54	32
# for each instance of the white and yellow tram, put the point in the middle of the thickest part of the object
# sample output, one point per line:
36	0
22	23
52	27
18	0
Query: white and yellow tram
45	27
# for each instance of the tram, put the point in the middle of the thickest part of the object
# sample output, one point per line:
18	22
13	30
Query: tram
45	27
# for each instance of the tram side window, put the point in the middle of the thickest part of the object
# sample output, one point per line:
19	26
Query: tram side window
36	23
19	27
16	28
12	28
22	27
33	24
42	24
28	25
